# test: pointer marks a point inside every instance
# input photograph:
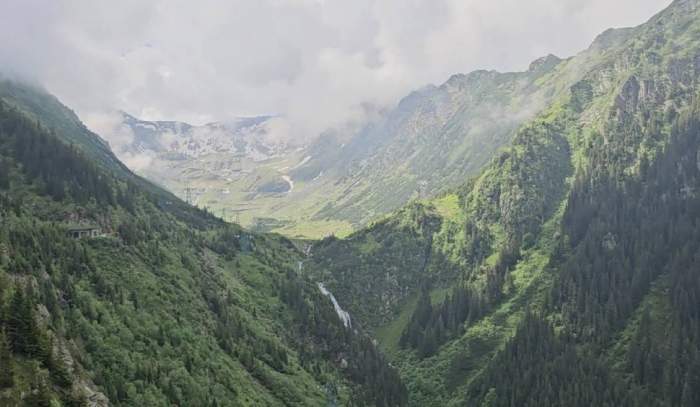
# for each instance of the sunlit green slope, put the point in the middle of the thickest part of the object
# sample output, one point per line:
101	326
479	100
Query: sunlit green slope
565	273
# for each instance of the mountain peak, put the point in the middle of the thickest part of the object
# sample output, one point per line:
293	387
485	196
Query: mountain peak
544	63
611	37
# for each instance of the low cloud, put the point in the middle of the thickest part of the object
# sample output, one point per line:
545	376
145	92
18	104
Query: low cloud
317	63
110	123
119	136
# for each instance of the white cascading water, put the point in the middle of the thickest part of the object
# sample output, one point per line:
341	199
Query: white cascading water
344	315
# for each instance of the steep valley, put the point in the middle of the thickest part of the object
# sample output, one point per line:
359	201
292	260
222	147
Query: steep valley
504	239
345	178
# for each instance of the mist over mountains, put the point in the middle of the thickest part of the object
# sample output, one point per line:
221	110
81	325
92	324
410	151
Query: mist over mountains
527	238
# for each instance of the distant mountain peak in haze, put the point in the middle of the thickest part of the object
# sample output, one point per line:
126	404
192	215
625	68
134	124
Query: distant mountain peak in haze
544	63
242	135
232	124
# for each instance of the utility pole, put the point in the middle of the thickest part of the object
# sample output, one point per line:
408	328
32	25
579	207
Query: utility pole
237	215
188	194
422	187
237	164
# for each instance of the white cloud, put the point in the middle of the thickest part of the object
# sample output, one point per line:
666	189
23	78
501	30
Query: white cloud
316	62
109	124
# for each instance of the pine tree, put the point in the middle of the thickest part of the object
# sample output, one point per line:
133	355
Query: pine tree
18	321
6	363
41	395
4	174
24	334
57	368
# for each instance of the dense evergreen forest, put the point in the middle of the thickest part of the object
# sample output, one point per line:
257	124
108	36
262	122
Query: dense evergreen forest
631	254
169	305
565	274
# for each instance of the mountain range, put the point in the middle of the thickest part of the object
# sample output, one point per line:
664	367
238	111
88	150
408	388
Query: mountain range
345	178
565	272
511	239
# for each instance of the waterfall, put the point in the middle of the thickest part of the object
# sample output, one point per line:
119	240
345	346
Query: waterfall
342	314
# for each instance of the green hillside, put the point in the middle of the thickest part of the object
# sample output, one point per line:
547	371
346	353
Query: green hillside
563	274
168	305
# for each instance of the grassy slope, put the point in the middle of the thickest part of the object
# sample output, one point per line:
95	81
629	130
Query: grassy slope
290	213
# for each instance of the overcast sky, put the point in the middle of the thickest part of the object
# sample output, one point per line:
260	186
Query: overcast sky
316	62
